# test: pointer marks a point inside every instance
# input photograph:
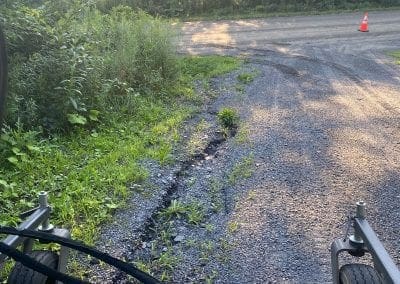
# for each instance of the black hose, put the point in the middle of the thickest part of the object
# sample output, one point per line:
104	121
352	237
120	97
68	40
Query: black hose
37	266
46	237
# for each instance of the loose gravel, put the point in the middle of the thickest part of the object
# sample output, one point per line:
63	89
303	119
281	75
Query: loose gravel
319	131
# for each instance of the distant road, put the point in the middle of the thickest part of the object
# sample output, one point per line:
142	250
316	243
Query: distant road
338	32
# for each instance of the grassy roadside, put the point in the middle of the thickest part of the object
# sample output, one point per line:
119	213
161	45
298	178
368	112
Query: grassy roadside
88	173
221	15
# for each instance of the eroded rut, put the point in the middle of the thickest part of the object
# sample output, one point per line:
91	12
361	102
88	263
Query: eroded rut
319	130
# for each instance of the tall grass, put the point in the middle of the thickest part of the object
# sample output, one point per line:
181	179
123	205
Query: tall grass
87	61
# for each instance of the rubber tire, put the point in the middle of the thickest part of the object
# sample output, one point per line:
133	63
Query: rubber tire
3	74
23	275
359	274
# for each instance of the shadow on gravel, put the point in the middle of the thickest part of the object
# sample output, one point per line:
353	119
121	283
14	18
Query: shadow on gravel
324	137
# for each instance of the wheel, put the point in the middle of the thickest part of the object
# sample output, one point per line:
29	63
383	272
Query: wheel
359	274
23	275
3	74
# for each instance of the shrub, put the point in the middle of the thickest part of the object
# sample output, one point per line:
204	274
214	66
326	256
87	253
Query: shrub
228	118
82	63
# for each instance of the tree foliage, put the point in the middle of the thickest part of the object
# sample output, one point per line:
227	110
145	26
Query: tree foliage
70	60
203	7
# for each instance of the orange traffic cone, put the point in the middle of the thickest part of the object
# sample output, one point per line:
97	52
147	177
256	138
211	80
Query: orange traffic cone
364	24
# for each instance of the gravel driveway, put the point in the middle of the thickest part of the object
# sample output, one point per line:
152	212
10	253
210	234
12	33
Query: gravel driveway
323	118
320	129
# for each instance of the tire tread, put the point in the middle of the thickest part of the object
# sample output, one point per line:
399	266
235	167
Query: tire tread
359	274
23	275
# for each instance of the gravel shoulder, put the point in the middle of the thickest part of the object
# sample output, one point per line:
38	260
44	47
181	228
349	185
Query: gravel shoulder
319	130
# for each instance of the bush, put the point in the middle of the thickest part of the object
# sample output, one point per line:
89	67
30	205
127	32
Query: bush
228	118
82	63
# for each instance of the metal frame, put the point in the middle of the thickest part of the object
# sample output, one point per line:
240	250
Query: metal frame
38	219
363	241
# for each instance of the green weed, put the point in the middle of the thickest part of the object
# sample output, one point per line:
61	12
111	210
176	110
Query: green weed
175	210
211	277
233	227
215	189
210	228
195	213
245	78
166	261
228	118
241	170
206	67
242	135
396	55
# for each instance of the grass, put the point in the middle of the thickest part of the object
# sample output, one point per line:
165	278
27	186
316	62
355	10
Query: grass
242	170
215	191
87	173
175	210
246	78
242	136
210	66
193	212
396	55
233	227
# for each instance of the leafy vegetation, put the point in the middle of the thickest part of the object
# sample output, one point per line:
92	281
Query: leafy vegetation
245	78
242	169
74	71
228	118
90	95
190	8
208	67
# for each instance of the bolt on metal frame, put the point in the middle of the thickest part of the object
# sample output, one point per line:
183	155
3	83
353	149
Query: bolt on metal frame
363	241
38	219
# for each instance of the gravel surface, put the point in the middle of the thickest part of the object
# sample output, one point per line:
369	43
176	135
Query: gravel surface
319	130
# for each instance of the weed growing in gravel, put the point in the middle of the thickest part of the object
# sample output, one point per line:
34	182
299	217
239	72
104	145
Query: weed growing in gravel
206	249
246	78
228	118
396	55
233	227
242	135
175	209
164	262
251	195
210	228
207	67
243	169
167	261
211	277
239	88
215	188
143	266
195	213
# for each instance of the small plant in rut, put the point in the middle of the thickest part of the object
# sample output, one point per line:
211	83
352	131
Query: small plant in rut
176	209
245	78
228	118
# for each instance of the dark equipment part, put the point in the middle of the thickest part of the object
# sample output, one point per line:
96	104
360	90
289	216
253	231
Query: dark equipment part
22	274
3	75
363	241
356	273
78	246
38	219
